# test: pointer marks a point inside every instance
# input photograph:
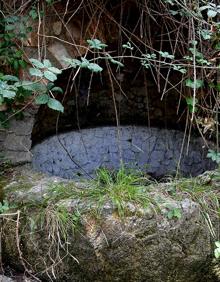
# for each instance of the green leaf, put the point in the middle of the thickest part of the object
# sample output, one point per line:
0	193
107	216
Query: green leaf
8	94
55	70
194	84
166	55
57	89
85	63
94	67
211	13
50	75
35	72
9	27
37	63
55	105
11	19
190	101
128	46
22	63
1	100
180	69
177	213
10	78
33	14
72	62
42	99
217	253
38	87
47	63
50	85
96	44
170	214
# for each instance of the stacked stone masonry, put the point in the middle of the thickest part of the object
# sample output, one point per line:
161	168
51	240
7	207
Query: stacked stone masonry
156	151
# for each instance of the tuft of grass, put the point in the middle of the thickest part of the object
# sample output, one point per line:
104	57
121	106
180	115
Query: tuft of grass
118	188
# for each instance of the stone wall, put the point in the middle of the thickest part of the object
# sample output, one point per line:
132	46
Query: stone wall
155	151
15	142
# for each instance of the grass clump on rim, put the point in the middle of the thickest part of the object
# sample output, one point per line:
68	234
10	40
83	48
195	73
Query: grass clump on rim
118	188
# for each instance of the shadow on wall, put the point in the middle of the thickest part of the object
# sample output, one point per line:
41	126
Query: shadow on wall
157	152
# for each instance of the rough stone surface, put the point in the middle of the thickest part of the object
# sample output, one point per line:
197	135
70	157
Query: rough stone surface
155	151
4	278
144	246
15	142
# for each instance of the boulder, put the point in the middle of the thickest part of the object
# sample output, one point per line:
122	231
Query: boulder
58	236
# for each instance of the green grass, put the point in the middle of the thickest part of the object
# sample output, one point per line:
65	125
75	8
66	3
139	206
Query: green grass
115	187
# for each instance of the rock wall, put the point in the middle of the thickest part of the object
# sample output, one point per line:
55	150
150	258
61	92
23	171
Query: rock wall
155	151
15	142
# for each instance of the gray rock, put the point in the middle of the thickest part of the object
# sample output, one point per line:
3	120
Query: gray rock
155	151
144	245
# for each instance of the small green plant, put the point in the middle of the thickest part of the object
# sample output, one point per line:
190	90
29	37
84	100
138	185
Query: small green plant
5	206
174	213
214	156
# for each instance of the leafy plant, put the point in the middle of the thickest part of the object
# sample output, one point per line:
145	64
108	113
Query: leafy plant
191	104
212	9
5	206
214	156
198	83
96	44
174	213
84	63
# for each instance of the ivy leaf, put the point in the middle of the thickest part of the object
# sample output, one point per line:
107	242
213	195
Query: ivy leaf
55	105
42	99
35	72
8	93
55	70
94	67
50	75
